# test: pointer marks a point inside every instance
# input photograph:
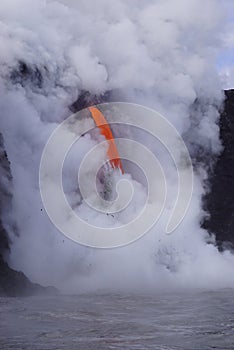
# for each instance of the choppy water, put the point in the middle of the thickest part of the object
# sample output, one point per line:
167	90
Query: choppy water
203	320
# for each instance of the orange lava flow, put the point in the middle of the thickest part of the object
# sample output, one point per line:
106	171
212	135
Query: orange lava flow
105	130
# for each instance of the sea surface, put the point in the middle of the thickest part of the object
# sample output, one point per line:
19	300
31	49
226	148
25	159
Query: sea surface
172	321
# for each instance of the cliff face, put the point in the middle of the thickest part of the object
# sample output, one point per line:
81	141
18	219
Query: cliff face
5	195
12	283
219	203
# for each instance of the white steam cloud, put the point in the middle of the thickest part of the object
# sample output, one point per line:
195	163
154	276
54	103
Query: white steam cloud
161	54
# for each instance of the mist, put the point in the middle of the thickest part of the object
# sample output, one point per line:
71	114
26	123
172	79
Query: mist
161	54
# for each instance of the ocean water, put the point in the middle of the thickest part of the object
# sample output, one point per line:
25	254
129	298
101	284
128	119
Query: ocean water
197	320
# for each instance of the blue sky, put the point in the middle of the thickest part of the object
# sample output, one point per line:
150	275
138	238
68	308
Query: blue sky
225	60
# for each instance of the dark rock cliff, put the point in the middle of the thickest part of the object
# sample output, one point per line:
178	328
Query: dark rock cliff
5	195
12	283
219	203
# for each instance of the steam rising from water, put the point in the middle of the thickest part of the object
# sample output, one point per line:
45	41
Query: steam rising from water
160	54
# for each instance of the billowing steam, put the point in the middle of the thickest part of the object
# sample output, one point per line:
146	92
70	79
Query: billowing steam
161	54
